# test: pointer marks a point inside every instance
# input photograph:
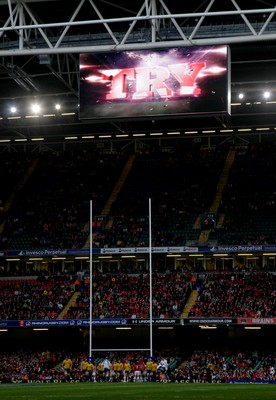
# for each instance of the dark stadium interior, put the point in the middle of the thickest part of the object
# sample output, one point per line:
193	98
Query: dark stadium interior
189	277
50	77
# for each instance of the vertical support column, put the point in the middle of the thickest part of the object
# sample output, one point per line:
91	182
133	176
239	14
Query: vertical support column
154	21
204	264
21	31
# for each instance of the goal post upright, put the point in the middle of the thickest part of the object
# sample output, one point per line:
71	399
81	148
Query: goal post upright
90	280
150	278
91	289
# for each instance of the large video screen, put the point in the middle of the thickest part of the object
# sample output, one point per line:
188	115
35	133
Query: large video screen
155	83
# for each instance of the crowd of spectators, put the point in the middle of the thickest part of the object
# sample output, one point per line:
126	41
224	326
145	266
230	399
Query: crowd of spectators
13	165
16	365
34	298
203	366
178	191
114	295
127	296
52	209
225	365
249	198
237	295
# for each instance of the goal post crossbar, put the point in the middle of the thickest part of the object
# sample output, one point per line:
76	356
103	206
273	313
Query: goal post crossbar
120	350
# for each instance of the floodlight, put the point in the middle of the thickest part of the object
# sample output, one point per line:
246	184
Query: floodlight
35	108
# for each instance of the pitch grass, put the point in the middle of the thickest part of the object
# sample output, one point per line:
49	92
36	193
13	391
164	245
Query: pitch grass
132	391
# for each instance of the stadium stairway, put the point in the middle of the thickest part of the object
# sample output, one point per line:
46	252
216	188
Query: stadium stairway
70	304
118	186
204	234
190	302
21	183
257	366
197	224
116	190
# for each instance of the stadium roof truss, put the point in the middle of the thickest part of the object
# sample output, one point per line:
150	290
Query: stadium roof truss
40	40
29	30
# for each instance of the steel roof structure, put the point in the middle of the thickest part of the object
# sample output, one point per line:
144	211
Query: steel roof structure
40	43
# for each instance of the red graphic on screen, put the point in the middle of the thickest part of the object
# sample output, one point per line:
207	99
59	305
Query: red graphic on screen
151	83
139	83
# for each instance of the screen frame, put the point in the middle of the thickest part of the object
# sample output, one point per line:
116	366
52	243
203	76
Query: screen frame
128	113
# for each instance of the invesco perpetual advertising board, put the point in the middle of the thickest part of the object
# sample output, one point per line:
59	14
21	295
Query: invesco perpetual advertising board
155	83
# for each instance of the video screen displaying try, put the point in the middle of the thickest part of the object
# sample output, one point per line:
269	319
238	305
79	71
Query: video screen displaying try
155	83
